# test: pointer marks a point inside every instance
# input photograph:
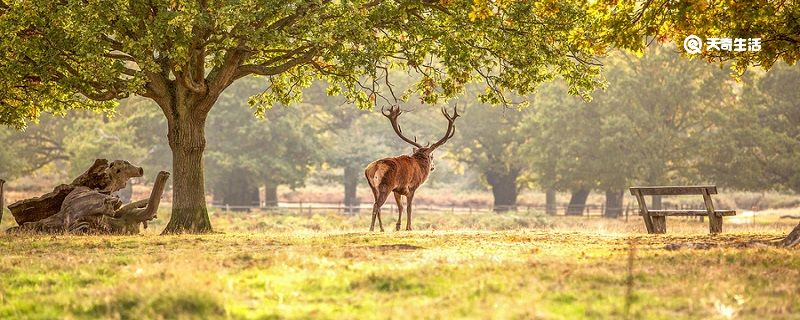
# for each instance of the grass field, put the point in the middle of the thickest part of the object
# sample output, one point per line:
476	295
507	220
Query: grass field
483	266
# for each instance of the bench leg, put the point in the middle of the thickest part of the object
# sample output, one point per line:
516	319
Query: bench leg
714	224
659	224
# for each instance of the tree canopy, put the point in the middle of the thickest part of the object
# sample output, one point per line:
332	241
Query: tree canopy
774	22
79	54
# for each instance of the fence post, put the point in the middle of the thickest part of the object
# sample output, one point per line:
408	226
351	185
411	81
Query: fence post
301	206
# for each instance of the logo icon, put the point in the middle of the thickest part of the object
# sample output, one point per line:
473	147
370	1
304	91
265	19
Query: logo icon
693	44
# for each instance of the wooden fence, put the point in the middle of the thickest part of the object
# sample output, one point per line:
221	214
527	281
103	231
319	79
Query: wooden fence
339	207
631	210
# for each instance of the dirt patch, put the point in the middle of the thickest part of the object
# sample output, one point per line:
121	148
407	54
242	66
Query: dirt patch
398	246
710	245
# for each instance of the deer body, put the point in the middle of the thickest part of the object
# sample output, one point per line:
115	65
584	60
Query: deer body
399	174
402	175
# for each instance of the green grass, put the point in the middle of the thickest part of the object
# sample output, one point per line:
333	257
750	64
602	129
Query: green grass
325	266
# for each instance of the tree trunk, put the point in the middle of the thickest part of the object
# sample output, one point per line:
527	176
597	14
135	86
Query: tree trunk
550	202
270	194
187	141
577	202
614	203
237	190
351	201
504	189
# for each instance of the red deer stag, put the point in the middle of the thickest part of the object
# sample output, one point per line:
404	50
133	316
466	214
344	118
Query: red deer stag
404	174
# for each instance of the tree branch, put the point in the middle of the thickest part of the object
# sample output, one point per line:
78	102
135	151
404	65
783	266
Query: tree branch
269	70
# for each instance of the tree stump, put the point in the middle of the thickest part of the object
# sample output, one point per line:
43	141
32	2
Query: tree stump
104	176
88	207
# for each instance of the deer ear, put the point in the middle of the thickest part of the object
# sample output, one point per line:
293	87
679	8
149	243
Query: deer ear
414	150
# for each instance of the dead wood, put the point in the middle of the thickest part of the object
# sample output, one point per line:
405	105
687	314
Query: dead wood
793	239
102	176
91	211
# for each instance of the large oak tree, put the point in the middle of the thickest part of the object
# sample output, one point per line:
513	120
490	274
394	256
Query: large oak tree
69	54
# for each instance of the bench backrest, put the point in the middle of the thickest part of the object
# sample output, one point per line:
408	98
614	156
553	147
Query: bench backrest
673	190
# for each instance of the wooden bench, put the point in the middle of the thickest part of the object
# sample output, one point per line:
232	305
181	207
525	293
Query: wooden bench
655	220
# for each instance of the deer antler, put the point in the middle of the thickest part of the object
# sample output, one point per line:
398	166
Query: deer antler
394	112
451	127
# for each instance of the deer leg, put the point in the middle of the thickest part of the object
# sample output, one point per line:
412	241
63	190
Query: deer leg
399	199
374	196
374	214
409	198
376	210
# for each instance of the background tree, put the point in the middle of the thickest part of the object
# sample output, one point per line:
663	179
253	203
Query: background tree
349	141
354	140
30	150
668	127
91	137
639	131
149	127
560	146
184	54
245	153
753	147
488	143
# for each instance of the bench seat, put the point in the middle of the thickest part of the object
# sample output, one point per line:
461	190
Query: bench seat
656	220
689	213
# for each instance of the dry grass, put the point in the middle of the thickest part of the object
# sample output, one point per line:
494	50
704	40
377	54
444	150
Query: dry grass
274	265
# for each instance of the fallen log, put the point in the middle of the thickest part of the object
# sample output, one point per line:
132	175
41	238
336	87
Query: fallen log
91	211
103	176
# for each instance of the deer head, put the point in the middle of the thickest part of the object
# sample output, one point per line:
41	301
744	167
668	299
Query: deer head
420	150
